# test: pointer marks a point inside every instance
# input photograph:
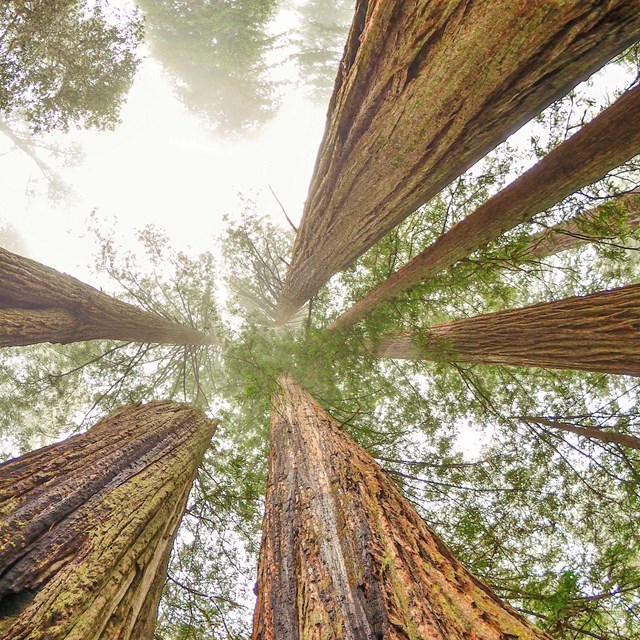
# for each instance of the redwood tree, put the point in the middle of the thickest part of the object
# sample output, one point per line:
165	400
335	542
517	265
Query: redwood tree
344	555
603	144
426	89
590	226
87	525
40	304
597	332
602	434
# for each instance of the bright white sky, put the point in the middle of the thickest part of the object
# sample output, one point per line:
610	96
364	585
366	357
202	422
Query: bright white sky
161	166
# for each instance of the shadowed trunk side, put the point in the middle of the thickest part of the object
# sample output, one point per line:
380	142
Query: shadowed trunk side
87	525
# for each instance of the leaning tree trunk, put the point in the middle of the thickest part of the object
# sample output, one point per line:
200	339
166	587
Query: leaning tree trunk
87	525
426	89
597	332
344	555
593	225
606	142
604	435
40	304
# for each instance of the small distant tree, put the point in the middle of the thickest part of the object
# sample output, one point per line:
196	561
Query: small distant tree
324	25
214	54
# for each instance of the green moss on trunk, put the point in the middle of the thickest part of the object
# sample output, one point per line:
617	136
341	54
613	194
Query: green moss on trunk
87	525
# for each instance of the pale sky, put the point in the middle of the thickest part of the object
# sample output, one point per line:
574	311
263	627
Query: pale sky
161	166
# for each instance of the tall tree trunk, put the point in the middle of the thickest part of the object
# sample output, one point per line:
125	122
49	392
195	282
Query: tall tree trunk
579	230
606	142
604	435
344	555
425	90
87	525
598	332
40	304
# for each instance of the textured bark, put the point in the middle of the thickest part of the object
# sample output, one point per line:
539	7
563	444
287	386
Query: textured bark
576	232
598	332
426	89
40	304
606	142
605	435
87	525
345	556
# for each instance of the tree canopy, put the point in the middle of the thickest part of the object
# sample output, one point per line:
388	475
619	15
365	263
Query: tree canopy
66	62
546	516
214	54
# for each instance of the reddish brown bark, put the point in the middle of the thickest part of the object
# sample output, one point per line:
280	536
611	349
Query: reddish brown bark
87	525
604	435
425	89
345	556
40	304
579	230
598	332
606	142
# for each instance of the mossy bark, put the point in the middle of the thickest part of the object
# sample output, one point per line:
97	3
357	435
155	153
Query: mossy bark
40	304
345	556
425	89
606	142
87	525
587	227
597	332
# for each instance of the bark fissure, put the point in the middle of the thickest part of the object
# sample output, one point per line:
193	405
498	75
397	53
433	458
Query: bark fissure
87	525
384	126
358	562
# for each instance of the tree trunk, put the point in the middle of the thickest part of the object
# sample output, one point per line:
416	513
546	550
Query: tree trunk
606	142
425	90
87	525
345	556
40	304
580	229
604	435
598	332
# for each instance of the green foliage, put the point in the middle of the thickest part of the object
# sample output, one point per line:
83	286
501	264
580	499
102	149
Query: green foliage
66	63
255	265
546	518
